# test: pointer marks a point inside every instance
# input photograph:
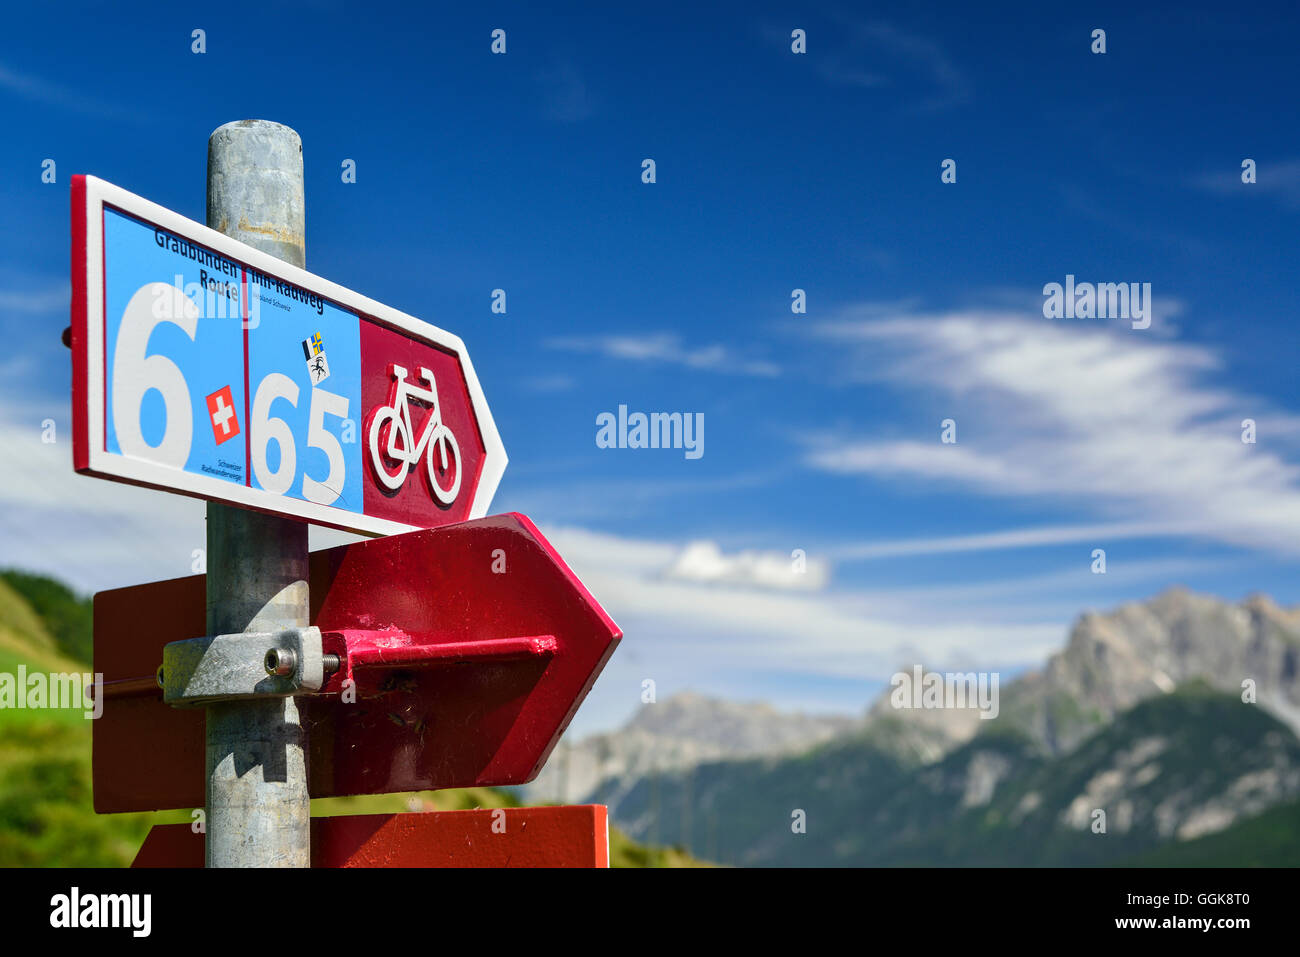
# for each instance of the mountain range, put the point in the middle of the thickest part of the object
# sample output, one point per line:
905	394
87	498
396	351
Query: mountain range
679	732
1161	723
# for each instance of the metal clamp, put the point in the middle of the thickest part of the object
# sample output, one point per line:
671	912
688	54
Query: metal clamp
257	664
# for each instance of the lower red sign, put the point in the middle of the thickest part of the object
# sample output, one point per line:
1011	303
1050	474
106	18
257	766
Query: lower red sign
464	653
576	836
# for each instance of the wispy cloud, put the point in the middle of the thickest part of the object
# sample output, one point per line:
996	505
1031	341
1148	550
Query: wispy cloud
1279	180
842	71
588	500
38	90
567	96
91	533
877	55
1111	216
1125	426
667	348
549	383
1070	580
52	298
1042	536
943	84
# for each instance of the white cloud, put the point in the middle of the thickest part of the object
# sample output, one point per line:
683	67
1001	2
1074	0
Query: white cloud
1108	421
1013	538
92	533
52	299
667	348
1280	179
704	562
727	626
39	90
1065	590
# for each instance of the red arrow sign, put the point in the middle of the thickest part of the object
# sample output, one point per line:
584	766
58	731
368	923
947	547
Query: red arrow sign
464	653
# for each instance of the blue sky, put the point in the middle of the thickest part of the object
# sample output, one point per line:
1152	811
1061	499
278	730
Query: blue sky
775	171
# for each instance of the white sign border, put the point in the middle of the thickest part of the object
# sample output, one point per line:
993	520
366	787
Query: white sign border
90	457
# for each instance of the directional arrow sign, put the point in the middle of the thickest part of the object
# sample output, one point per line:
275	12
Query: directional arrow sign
204	366
464	652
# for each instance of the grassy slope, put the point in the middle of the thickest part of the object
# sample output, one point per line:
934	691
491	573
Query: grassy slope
49	616
25	639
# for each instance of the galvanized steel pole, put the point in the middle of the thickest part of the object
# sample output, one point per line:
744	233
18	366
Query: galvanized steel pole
258	811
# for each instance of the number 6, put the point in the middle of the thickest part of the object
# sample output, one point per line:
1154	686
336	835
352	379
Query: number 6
134	374
264	428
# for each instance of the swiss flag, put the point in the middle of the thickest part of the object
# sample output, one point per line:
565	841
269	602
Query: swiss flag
221	412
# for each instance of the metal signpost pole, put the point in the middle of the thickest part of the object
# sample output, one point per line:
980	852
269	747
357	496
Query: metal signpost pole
258	811
234	679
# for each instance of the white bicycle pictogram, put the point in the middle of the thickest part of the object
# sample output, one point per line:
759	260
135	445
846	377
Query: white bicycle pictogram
401	447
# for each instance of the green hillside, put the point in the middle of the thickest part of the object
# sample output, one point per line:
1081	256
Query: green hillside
66	617
1271	839
46	814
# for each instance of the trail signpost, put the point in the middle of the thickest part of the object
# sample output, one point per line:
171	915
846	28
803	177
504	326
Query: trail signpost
208	362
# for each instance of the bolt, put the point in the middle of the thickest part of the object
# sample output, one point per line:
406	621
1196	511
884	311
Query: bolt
158	676
332	663
281	662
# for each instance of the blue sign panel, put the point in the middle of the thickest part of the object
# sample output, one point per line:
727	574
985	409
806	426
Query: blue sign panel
170	342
